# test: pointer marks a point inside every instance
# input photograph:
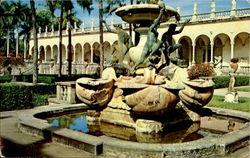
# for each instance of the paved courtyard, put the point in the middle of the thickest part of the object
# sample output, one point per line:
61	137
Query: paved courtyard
17	144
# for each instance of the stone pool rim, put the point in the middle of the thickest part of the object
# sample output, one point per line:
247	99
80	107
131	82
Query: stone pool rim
225	144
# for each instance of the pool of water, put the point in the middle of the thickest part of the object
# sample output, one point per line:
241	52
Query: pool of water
210	126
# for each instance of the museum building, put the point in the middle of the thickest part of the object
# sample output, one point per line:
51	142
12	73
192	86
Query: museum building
214	37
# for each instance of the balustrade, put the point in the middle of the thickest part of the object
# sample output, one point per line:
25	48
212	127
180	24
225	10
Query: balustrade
66	92
200	17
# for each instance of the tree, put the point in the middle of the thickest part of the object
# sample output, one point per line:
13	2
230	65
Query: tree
52	6
35	55
60	39
101	35
68	10
6	19
19	11
86	5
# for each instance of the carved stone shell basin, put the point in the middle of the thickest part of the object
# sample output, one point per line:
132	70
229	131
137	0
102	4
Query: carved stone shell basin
204	88
94	92
141	13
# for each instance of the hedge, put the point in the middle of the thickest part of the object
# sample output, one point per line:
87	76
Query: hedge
16	96
5	78
45	78
223	81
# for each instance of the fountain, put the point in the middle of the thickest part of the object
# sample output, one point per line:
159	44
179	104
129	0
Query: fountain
153	111
147	100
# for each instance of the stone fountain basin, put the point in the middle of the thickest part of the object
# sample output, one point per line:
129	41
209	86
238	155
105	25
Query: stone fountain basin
141	13
33	122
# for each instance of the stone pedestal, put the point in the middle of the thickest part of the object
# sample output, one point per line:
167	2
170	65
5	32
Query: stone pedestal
231	97
66	92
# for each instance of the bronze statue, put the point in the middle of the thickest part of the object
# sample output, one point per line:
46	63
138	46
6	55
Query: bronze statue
167	46
124	41
152	44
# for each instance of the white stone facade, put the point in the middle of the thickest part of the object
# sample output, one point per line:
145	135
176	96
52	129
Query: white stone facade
208	35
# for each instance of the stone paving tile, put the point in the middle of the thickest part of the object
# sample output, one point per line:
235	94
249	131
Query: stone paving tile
18	144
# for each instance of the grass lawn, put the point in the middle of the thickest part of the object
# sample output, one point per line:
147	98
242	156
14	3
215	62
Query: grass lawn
218	101
243	89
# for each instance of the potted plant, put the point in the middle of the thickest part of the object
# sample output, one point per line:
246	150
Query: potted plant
200	71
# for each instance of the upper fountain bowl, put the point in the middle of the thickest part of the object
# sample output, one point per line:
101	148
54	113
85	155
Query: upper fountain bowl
143	13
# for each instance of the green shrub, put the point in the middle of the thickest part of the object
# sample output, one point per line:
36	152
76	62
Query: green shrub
18	96
5	78
47	78
14	96
40	100
223	81
43	89
242	80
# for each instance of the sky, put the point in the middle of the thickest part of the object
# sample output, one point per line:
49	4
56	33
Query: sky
186	8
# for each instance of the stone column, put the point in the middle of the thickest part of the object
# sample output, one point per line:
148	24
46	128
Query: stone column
74	60
82	55
190	56
193	59
92	55
233	9
206	54
45	54
46	31
232	49
212	13
24	48
58	92
194	17
212	53
52	53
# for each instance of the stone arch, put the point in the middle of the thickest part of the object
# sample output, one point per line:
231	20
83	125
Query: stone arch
106	48
222	46
32	51
78	54
55	53
186	50
64	53
202	49
96	52
71	53
242	47
113	48
48	53
41	55
87	52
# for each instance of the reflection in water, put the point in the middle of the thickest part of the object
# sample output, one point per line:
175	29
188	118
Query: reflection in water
210	126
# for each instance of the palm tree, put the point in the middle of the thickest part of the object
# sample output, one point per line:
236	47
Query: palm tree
52	6
68	9
101	35
86	5
60	39
19	11
35	56
7	20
